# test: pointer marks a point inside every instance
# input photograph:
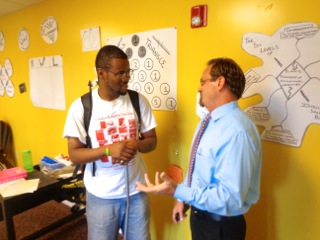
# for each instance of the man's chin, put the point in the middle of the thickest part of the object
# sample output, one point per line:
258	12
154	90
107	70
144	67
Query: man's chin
123	92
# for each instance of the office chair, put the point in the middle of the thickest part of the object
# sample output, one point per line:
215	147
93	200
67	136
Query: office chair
7	156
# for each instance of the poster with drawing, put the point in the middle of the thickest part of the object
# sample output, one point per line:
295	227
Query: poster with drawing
90	39
288	81
46	82
153	57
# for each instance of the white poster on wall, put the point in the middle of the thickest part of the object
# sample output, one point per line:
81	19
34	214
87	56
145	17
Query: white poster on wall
90	39
153	57
46	82
288	81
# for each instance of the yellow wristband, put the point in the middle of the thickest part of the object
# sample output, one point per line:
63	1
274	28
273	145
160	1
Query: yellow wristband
107	151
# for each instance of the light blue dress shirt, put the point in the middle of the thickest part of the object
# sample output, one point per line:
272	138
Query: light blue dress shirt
226	176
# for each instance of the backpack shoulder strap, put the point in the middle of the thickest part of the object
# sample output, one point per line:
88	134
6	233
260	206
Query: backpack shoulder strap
86	100
134	97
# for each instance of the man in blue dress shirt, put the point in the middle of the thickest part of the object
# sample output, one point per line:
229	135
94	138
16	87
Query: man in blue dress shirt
223	180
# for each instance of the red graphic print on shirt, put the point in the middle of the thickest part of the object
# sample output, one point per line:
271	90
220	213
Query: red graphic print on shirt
115	129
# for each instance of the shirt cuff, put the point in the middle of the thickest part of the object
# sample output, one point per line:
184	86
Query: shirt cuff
183	193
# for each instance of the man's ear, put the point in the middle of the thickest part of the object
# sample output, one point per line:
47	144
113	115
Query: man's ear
221	81
100	72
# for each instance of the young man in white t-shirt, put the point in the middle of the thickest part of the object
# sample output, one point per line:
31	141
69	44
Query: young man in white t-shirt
113	131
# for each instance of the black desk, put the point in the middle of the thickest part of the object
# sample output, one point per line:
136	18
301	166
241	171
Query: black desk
48	190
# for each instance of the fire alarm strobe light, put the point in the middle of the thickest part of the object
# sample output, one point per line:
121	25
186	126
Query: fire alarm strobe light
199	16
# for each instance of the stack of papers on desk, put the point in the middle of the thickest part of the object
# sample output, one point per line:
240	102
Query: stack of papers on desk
18	187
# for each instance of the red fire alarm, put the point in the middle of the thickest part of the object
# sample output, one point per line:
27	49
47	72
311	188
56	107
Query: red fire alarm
199	16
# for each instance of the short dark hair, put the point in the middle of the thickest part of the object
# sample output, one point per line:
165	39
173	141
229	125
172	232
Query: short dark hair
106	54
231	71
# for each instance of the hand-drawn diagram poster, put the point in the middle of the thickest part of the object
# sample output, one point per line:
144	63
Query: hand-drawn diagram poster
288	81
153	57
46	82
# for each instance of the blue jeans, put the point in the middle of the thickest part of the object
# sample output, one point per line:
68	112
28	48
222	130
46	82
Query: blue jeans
106	216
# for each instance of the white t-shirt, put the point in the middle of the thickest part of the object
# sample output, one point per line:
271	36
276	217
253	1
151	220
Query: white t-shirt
110	122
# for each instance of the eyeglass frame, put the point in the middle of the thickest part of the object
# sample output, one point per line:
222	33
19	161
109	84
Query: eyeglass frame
203	81
128	73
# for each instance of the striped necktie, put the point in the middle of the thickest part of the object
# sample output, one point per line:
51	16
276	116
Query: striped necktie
195	146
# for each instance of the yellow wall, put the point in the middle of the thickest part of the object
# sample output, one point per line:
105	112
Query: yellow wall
289	205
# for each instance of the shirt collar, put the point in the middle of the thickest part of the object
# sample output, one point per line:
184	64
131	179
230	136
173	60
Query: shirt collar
223	110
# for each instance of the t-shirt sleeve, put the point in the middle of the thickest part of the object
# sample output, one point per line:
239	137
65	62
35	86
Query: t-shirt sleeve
74	125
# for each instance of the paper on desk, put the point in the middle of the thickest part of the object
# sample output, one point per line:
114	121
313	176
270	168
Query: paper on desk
18	187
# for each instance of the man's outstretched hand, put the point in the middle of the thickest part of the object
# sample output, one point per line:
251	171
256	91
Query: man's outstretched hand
163	185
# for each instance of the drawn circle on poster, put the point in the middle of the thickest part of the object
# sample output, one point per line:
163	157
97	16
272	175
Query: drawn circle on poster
142	51
8	67
171	103
142	76
89	39
164	88
49	30
135	40
1	89
155	75
9	88
1	41
136	86
129	52
156	102
135	64
2	81
148	64
148	88
6	85
23	39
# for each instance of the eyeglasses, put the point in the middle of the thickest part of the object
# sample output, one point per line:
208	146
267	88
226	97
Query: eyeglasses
120	75
203	81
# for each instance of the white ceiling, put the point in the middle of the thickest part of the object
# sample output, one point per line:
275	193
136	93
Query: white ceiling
10	6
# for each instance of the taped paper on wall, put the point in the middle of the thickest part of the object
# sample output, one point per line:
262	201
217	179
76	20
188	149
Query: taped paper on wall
46	82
